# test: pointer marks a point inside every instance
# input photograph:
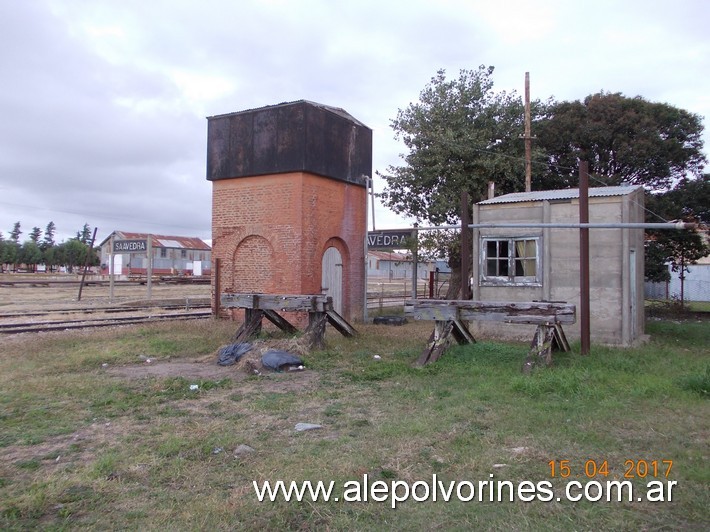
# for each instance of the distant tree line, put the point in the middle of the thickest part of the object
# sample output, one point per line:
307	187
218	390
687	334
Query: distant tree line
40	248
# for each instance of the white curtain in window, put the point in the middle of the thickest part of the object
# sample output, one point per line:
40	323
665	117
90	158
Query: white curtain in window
526	253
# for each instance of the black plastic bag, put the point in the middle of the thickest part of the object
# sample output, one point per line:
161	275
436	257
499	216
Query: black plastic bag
276	359
230	354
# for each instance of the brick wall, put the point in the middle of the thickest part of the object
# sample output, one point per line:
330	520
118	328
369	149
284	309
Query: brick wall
270	233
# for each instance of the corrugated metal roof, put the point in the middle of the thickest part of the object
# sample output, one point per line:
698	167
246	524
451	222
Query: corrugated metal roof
335	110
567	193
165	241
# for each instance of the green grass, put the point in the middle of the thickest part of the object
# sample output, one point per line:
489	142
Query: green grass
80	448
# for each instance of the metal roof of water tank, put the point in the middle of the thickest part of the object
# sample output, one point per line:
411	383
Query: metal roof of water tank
300	136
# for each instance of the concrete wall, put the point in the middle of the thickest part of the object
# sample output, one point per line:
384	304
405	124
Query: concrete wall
270	233
616	265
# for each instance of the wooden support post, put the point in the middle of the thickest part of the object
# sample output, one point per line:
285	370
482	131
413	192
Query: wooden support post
560	342
462	334
315	333
340	323
251	326
540	352
281	322
439	341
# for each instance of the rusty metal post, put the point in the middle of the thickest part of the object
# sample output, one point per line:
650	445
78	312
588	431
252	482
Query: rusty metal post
149	268
584	257
528	137
415	260
465	247
111	268
86	264
217	288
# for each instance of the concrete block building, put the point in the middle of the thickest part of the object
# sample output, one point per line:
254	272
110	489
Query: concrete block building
527	264
289	199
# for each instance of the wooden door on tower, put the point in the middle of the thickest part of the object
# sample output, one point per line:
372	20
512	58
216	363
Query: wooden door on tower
332	278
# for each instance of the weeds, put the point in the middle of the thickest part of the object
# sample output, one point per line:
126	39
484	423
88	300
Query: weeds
82	449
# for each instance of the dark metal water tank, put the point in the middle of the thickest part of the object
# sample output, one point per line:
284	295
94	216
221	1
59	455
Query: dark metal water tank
299	136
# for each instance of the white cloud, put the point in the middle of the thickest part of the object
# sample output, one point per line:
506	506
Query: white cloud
104	102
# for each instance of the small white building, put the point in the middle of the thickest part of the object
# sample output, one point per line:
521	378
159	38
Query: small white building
171	255
392	265
542	264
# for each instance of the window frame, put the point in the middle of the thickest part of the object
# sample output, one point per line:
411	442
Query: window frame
510	264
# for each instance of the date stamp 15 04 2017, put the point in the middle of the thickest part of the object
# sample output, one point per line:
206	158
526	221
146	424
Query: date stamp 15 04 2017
600	468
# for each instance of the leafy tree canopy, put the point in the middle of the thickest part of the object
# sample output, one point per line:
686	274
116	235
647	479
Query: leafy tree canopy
689	200
15	234
460	135
84	236
623	139
48	240
35	234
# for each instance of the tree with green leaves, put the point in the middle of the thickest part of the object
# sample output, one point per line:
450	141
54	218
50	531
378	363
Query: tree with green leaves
3	244
687	201
623	139
35	234
30	254
460	135
12	253
48	240
15	234
84	236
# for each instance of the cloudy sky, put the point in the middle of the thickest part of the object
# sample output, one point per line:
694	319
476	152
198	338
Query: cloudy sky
103	102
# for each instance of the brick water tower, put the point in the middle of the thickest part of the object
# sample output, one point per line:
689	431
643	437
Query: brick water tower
289	201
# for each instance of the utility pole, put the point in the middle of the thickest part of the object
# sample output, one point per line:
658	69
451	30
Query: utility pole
527	136
584	311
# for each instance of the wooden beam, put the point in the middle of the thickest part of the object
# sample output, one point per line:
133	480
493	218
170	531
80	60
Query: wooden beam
281	322
306	303
439	341
341	324
534	312
251	326
462	334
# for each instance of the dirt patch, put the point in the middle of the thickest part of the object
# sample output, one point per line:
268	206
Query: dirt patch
168	368
206	367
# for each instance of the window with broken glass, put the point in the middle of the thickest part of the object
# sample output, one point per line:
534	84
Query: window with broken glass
510	261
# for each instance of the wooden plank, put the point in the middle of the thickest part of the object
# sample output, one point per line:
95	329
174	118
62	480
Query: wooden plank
251	326
560	339
317	303
462	334
440	339
540	353
341	324
532	312
281	322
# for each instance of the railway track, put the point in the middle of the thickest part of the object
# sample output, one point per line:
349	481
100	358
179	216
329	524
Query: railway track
96	310
89	323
